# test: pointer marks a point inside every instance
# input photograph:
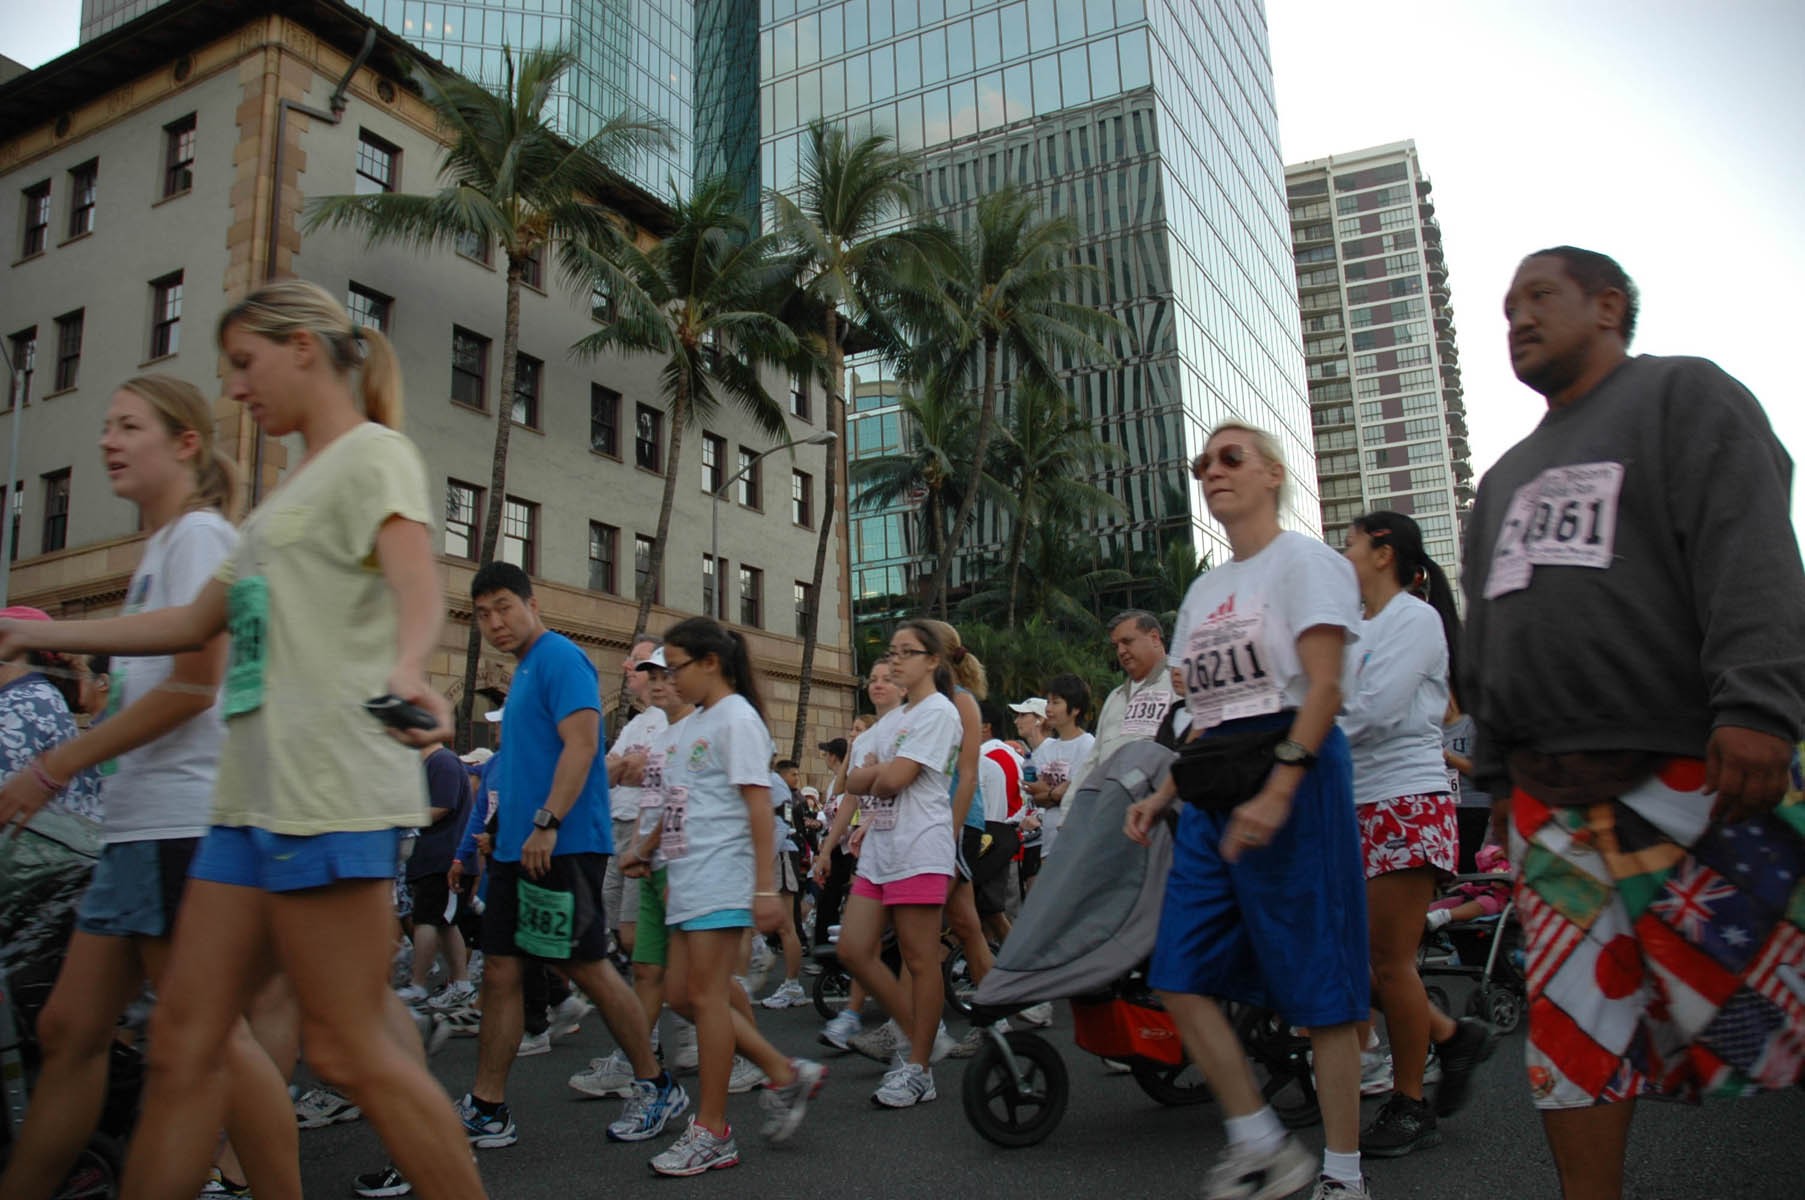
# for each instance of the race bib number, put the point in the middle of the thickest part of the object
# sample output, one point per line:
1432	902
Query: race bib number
1145	711
247	619
879	811
673	839
651	788
1565	517
1225	673
547	921
1454	784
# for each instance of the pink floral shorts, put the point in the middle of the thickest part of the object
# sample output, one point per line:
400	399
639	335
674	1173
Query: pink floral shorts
1408	832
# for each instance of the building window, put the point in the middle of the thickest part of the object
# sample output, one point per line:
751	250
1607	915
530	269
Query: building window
714	462
84	184
713	603
369	308
166	315
532	268
473	245
23	349
802	499
56	510
378	165
68	349
469	368
18	515
752	597
604	420
604	553
528	375
178	156
648	438
463	519
601	302
643	581
520	534
37	220
799	395
805	607
751	491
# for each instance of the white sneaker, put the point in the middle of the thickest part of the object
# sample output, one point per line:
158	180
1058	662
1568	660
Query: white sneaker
840	1031
972	1042
413	993
567	1018
785	1105
687	1057
610	1076
698	1150
905	1087
944	1043
1242	1173
1039	1016
788	995
762	962
321	1106
880	1044
1375	1072
534	1044
458	994
745	1075
1334	1189
1432	1068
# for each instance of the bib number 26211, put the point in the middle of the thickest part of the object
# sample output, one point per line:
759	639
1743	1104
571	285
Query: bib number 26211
1225	671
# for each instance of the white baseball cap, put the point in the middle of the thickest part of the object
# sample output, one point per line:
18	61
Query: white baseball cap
493	716
1033	704
654	659
477	757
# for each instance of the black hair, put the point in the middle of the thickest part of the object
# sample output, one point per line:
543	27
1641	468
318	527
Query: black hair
1143	620
59	673
700	637
1416	572
991	713
931	641
1594	273
100	665
1074	691
787	764
502	577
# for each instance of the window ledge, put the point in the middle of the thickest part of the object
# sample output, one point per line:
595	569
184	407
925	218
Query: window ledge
161	358
483	263
527	428
71	240
31	257
613	458
57	395
470	408
187	191
648	471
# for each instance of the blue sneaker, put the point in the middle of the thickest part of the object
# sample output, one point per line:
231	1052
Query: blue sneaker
648	1110
487	1133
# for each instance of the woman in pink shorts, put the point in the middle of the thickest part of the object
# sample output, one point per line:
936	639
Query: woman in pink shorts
907	860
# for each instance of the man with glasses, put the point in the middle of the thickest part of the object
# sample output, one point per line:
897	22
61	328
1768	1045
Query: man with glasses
1134	709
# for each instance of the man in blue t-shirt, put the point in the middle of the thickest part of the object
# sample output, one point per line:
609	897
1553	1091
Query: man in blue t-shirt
552	840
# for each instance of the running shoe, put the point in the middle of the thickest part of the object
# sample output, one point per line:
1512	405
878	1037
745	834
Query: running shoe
648	1110
534	1044
413	993
1245	1173
745	1075
610	1076
1115	1066
434	1029
944	1043
567	1018
1375	1073
1403	1125
840	1031
1432	1067
1037	1016
458	994
972	1042
762	962
811	968
487	1132
905	1086
699	1149
464	1022
688	1057
218	1187
788	995
1472	1043
784	1104
321	1106
880	1044
386	1182
1335	1189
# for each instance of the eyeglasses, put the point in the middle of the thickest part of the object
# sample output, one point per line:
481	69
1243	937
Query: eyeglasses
671	668
906	652
1233	455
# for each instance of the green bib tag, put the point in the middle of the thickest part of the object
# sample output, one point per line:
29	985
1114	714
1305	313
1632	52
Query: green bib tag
247	618
115	690
546	923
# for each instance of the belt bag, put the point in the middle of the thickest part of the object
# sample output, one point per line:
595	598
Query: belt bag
1217	773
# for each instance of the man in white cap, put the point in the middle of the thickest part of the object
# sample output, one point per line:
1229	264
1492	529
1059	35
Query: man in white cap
1134	710
626	771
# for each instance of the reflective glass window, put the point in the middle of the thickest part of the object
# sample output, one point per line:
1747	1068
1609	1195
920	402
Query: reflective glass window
883	73
908	66
856	38
934	120
990	100
785	116
833	89
858	82
1043	29
1104	79
908	124
932	10
958	50
963	105
1132	48
985	40
1099	16
1018	93
1128	11
1014	31
1075	79
1071	20
784	49
933	56
880	20
833	32
1046	85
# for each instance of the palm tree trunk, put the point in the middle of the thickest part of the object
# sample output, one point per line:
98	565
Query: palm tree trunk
1018	538
836	423
937	589
673	458
498	490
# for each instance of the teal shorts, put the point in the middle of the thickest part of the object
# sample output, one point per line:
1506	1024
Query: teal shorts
723	918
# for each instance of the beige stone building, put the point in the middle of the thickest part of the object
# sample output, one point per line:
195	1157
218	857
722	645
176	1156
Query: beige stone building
139	184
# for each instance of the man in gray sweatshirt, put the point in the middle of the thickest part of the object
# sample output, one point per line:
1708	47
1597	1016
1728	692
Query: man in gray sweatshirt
1635	664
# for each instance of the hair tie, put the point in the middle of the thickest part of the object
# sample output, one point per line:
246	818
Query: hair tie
958	654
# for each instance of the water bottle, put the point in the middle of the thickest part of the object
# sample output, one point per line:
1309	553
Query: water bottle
1029	774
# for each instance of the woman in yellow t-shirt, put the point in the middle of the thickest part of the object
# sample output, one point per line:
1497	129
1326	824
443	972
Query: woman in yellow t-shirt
331	598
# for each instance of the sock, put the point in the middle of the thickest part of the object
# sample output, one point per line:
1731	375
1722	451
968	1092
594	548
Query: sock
1439	917
849	1012
1259	1131
661	1080
488	1108
1342	1168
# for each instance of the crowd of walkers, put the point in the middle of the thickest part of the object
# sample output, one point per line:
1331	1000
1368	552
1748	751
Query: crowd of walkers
1624	698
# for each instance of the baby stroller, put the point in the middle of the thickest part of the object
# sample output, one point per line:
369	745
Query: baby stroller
43	872
1084	934
1486	951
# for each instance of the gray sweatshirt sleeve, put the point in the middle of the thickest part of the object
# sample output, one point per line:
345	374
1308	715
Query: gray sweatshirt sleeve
1488	758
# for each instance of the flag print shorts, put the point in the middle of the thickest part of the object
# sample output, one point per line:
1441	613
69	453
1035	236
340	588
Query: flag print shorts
1665	951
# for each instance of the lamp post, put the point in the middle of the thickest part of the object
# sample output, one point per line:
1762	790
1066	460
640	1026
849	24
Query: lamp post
826	437
7	549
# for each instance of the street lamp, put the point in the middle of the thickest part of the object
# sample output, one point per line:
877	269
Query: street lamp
826	437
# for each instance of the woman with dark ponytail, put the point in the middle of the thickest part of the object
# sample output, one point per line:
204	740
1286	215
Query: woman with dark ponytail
1397	695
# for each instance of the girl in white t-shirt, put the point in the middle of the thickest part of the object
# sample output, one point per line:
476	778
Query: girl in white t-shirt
718	848
157	753
907	860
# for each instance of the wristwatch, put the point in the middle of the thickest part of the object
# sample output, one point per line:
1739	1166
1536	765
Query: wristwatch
545	819
1293	754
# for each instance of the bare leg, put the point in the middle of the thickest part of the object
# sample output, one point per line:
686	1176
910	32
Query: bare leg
1211	1043
751	1043
426	950
648	985
861	933
962	919
792	945
625	932
275	1020
1395	906
621	1012
1336	1049
697	983
498	1037
918	936
1588	1146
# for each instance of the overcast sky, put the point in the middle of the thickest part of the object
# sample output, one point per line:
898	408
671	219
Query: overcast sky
1653	130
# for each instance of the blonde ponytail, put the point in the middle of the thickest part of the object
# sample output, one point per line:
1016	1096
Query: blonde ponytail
381	378
968	668
282	309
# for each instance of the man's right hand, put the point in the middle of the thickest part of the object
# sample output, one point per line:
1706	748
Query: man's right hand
454	877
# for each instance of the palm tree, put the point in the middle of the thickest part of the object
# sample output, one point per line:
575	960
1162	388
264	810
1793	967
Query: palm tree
1006	294
1063	583
845	229
507	177
698	300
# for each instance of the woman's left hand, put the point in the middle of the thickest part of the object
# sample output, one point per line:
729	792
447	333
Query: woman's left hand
767	913
1255	823
411	686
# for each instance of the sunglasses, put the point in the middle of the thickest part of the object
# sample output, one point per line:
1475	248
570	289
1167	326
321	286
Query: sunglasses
1231	455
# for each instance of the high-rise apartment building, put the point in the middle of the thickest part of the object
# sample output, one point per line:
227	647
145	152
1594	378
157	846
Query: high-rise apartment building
1385	397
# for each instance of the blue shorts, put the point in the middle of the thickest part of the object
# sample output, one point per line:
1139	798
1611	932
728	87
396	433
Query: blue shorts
244	856
136	889
725	918
1285	927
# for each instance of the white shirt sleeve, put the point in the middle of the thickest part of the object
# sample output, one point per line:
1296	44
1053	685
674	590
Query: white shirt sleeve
993	786
1399	652
745	750
935	732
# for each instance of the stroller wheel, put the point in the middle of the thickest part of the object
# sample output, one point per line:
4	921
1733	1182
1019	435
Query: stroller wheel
1498	1007
957	982
833	990
1172	1085
1011	1112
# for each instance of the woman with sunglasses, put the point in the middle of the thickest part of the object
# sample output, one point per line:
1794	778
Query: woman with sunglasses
1266	902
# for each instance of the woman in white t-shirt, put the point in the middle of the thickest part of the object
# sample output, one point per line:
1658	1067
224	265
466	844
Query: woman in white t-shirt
719	850
157	754
907	861
1410	836
1266	903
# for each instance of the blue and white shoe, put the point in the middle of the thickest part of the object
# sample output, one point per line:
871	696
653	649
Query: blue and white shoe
648	1110
485	1132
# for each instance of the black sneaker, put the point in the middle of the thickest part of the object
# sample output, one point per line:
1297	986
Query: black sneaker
1402	1125
386	1182
1472	1043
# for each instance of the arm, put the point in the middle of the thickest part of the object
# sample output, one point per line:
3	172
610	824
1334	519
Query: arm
892	778
581	733
404	548
767	904
1319	652
970	725
628	768
1394	668
141	635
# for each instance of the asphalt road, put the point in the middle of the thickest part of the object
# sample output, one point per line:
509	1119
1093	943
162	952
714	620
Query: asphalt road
1113	1142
